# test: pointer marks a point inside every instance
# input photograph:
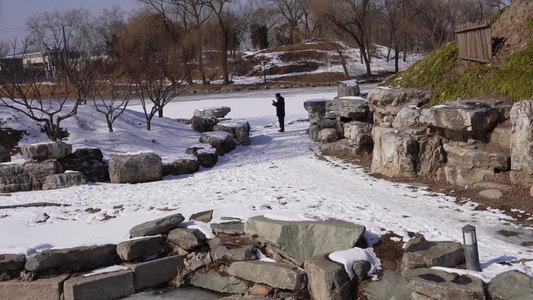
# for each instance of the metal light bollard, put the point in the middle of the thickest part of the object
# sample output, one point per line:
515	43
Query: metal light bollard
470	247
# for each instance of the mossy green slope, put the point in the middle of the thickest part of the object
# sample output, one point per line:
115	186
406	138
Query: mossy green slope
440	72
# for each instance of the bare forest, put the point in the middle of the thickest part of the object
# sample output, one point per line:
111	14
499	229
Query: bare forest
154	53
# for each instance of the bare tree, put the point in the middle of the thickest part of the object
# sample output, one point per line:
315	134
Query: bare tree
63	36
108	26
227	30
47	104
51	103
151	59
4	48
393	14
264	15
292	12
114	94
200	14
353	17
190	16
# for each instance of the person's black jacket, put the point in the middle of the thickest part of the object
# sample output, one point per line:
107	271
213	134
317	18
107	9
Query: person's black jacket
280	107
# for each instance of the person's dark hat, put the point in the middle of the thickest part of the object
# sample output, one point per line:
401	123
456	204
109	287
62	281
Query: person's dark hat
278	95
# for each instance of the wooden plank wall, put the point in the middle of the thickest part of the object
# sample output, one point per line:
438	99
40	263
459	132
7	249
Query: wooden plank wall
475	41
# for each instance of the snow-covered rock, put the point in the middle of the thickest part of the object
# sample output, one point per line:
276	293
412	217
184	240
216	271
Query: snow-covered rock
40	152
217	112
222	141
64	180
299	240
386	103
240	129
137	168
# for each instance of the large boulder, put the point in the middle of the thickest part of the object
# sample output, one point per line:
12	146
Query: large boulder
4	155
203	123
463	177
240	129
316	110
217	112
73	259
215	282
467	164
327	279
89	162
348	88
406	153
155	273
114	285
351	108
470	156
181	166
40	152
391	286
64	180
141	249
208	158
27	177
340	148
229	228
409	116
276	275
313	132
431	155
187	239
386	102
11	265
144	167
522	143
331	124
12	262
328	135
501	136
297	241
395	154
204	216
222	141
511	285
437	284
464	119
157	226
227	252
359	135
420	253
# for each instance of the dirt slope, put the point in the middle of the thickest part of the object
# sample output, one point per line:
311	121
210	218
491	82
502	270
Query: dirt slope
515	26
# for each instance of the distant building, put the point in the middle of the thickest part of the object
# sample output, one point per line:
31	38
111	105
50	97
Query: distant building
11	67
26	67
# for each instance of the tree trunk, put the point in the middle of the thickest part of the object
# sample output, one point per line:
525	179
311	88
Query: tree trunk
109	123
364	55
225	71
396	58
201	67
343	61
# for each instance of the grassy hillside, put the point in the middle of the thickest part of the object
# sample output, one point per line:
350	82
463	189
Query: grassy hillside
452	78
509	75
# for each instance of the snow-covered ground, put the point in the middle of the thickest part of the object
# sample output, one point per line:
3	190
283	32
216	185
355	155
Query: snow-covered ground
378	63
281	175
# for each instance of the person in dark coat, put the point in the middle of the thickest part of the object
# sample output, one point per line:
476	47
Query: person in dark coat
280	111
